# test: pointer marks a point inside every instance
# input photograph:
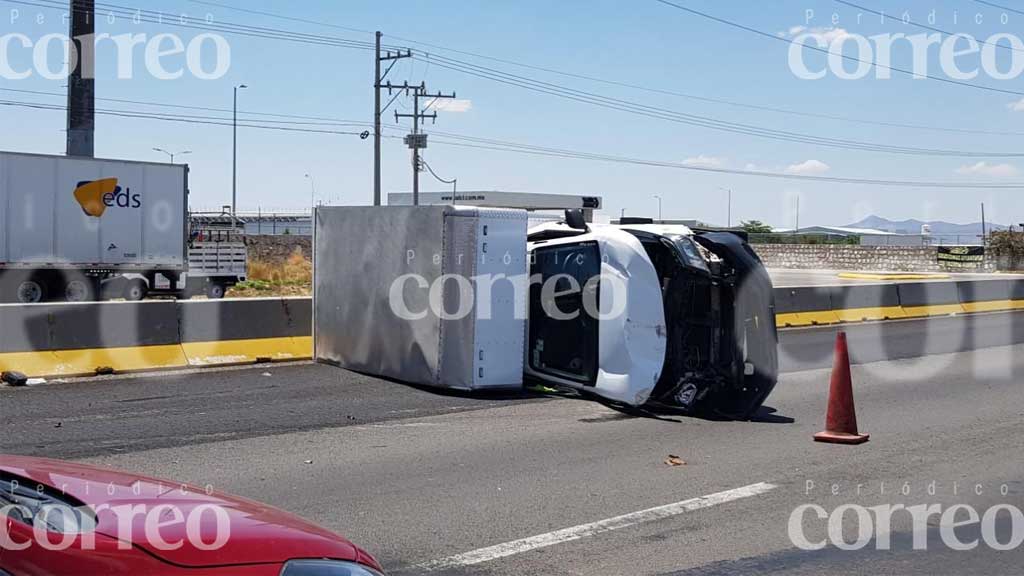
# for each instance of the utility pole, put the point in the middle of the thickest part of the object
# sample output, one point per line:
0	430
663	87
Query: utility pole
983	230
417	141
659	207
798	214
234	160
377	79
81	125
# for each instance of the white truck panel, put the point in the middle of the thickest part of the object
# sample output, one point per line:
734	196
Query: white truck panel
138	220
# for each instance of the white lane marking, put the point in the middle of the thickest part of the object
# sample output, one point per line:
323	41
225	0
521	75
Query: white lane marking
594	528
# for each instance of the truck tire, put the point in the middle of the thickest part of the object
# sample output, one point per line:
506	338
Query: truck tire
135	290
30	290
215	291
79	288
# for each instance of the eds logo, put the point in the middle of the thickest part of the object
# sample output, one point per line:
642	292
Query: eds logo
95	196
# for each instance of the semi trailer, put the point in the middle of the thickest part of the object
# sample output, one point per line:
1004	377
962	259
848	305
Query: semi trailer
80	229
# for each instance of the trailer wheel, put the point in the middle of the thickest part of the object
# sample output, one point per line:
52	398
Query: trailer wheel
30	291
135	290
215	291
80	289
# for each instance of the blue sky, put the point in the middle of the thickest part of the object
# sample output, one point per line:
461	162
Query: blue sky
638	42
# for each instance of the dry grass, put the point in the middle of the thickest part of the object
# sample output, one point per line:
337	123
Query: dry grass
293	277
294	270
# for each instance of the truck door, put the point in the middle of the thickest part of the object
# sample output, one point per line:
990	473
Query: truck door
563	338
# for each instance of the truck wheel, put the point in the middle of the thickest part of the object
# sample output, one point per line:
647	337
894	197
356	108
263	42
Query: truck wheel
215	291
30	291
135	290
79	289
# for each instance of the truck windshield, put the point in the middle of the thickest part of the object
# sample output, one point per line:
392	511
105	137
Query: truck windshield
563	336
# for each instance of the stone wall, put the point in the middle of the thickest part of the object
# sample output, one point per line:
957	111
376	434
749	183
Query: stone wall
267	248
849	257
794	256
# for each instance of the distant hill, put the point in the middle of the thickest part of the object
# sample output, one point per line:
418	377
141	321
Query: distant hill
914	226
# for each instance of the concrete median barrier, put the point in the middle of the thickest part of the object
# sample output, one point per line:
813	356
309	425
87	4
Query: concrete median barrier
72	339
864	303
986	296
803	306
217	332
930	299
54	340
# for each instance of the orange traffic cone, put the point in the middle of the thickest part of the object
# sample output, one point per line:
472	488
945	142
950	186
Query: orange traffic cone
841	421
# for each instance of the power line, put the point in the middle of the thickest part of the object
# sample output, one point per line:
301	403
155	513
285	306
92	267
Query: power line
614	82
328	40
924	26
824	51
1001	7
282	17
696	120
188	119
154	17
323	120
564	153
452	139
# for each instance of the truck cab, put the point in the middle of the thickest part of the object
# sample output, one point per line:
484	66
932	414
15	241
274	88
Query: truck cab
652	314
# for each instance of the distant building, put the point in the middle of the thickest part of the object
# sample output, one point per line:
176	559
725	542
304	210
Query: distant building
532	202
873	237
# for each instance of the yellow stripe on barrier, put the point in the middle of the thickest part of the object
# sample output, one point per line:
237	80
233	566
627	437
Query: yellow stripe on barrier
933	310
30	363
63	363
819	318
866	314
247	351
120	359
88	361
991	306
869	276
788	320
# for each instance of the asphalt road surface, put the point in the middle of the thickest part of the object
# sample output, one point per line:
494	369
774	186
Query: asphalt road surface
447	484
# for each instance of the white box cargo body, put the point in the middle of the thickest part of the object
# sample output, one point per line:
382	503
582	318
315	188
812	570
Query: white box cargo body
387	299
83	213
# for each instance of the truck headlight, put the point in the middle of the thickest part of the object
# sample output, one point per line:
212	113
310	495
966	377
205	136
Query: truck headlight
327	568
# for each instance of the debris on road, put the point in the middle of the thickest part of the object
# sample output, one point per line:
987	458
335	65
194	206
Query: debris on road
674	460
14	378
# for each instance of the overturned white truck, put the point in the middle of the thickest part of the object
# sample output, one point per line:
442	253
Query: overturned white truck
467	298
684	320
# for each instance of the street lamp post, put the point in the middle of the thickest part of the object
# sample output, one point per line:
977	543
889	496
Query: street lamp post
172	154
234	159
729	191
659	207
312	190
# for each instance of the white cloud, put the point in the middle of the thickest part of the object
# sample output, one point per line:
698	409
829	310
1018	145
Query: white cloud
750	167
450	105
703	161
1016	106
826	34
808	167
986	169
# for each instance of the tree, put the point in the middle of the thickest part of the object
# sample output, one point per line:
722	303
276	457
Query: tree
756	227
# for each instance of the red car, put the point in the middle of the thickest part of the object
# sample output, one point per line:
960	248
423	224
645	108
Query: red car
59	518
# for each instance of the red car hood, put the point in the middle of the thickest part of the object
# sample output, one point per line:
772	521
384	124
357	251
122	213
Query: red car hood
258	533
